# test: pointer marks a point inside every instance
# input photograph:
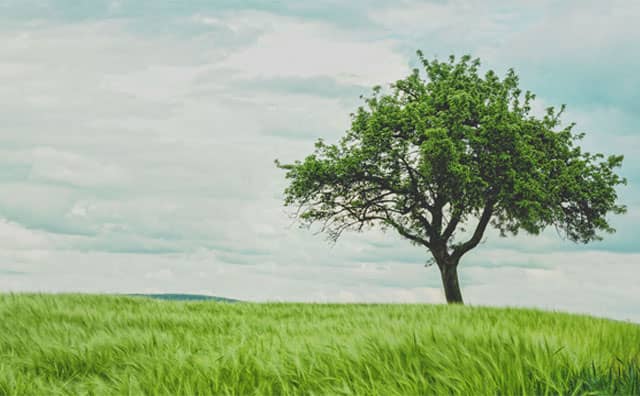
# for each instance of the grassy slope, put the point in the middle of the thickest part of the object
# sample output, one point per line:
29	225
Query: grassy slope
71	344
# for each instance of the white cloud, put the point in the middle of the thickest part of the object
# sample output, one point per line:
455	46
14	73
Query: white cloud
578	32
598	283
296	48
162	275
416	16
15	236
161	83
49	164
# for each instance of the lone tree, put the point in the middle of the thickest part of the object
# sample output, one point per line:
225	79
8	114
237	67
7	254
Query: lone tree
451	151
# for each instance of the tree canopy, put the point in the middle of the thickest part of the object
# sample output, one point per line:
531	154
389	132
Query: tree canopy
447	150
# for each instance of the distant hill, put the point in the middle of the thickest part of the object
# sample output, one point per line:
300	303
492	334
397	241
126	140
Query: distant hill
185	297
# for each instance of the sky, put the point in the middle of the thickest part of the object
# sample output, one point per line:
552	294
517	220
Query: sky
137	141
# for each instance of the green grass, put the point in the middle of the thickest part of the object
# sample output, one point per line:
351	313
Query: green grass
85	344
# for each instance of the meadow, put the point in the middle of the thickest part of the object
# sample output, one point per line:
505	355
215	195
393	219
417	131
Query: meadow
100	344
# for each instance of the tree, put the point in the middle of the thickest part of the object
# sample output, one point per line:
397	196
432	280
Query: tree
449	151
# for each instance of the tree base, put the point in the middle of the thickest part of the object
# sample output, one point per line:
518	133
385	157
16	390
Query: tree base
451	285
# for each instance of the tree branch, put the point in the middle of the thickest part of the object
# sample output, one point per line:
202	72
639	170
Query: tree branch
451	225
414	184
477	234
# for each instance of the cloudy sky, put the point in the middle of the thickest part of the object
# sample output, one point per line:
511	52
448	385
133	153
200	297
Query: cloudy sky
137	141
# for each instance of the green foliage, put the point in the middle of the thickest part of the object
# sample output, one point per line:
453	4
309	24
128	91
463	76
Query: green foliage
449	145
107	345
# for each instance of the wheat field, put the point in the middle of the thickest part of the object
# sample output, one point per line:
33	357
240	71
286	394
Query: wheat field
104	345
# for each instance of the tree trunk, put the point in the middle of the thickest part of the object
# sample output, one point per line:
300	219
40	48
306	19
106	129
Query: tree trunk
449	272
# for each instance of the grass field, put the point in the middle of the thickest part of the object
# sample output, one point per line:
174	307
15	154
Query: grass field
87	344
